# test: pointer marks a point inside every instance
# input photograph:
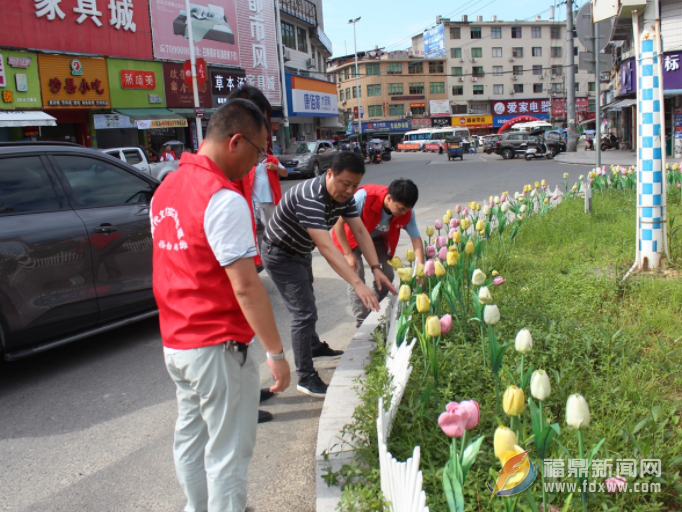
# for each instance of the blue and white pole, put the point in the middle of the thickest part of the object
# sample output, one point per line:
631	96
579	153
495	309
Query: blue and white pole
650	201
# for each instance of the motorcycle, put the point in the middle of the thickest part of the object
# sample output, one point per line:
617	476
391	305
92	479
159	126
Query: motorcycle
609	143
540	151
374	156
386	155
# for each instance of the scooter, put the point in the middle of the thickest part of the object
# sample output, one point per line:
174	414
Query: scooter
374	156
540	151
386	155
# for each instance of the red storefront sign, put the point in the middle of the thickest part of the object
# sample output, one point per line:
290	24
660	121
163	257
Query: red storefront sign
131	79
178	93
117	28
421	123
559	106
509	107
202	75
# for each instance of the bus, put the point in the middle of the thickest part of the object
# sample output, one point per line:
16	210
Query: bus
414	140
438	136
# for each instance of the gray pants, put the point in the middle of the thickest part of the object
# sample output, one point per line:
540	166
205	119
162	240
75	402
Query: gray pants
263	213
359	310
293	276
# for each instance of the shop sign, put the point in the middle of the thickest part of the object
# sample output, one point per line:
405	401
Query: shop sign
110	121
200	113
3	78
421	123
582	104
178	93
19	62
155	99
101	27
62	89
30	131
407	98
223	82
509	107
439	108
161	123
20	87
473	121
672	75
498	121
418	105
386	126
441	121
310	97
626	79
132	79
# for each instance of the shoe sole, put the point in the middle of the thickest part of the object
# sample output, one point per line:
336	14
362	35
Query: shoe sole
306	391
322	358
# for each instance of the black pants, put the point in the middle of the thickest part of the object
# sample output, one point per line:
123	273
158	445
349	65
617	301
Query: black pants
293	276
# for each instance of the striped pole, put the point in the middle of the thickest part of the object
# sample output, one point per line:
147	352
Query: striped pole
650	205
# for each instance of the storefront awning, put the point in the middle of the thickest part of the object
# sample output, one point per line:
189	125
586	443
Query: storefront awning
188	113
331	122
147	118
587	121
10	118
619	104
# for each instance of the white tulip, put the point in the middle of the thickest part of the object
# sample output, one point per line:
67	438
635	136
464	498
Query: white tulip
478	278
497	199
523	208
486	210
505	207
491	314
540	387
524	341
577	411
533	193
484	296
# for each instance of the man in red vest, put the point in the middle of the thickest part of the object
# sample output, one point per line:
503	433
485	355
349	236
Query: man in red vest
384	212
211	302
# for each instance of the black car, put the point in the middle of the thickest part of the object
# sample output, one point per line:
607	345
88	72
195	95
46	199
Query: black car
513	144
75	245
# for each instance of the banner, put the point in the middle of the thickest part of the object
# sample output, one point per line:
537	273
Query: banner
434	42
508	107
439	108
473	121
111	121
559	106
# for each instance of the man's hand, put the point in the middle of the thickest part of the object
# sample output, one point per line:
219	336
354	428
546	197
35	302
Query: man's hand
367	296
352	260
381	280
281	373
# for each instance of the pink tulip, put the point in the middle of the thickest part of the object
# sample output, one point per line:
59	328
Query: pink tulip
430	251
613	485
445	324
430	267
623	171
454	223
441	241
465	211
458	209
679	186
498	280
544	187
452	232
555	197
453	421
503	198
438	224
443	253
473	410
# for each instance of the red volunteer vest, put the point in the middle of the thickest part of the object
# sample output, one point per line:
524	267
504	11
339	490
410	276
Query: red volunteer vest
197	305
371	215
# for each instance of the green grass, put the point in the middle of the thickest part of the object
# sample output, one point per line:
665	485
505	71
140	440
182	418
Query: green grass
616	343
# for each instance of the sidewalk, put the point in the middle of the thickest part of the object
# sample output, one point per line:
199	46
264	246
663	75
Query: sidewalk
610	157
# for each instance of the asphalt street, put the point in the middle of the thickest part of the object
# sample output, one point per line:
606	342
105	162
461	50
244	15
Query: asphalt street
89	426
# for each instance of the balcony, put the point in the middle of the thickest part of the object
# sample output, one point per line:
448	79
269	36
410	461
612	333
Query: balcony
322	38
300	9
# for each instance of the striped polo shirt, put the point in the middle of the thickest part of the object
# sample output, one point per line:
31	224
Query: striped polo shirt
305	206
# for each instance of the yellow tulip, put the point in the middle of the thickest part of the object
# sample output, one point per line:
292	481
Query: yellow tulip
592	174
520	474
405	274
466	223
491	199
482	232
472	205
574	187
396	263
546	200
440	269
446	220
543	183
503	441
480	225
430	231
409	255
433	326
453	258
405	293
469	249
478	207
495	273
453	248
456	237
537	184
513	401
419	270
449	214
423	303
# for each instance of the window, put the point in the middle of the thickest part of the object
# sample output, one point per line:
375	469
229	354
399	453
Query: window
517	70
479	107
416	88
537	88
417	111
477	71
346	73
455	33
357	92
537	51
555	32
497	51
478	90
394	68
437	87
577	87
536	32
395	89
518	88
475	32
476	53
348	93
556	87
575	50
396	110
342	96
457	71
516	32
455	53
498	89
376	110
537	69
415	68
133	156
556	51
288	38
372	69
517	52
302	38
457	90
496	33
96	183
557	70
25	187
436	67
374	90
498	70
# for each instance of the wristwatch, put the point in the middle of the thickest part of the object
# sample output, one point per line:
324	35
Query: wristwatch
378	266
275	357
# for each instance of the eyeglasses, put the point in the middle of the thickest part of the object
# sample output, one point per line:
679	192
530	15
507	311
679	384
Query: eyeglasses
262	155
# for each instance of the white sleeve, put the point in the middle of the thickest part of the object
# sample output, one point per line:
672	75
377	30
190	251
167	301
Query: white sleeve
228	228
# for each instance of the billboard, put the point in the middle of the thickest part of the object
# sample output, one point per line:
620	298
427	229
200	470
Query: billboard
434	43
473	121
237	33
516	107
178	93
117	28
73	82
439	108
582	104
310	97
223	82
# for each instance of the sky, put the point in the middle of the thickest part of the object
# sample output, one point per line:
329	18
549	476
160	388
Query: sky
392	23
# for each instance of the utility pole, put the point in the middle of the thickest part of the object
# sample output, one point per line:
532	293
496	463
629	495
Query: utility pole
357	77
572	142
193	62
282	76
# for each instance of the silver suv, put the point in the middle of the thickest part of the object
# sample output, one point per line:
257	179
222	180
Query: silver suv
308	158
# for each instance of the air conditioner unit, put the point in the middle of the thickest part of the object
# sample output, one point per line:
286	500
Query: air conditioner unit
310	63
286	55
408	114
473	60
512	91
514	77
511	59
553	77
474	79
461	60
544	75
461	79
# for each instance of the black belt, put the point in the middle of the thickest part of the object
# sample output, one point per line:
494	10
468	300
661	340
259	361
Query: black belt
282	248
235	346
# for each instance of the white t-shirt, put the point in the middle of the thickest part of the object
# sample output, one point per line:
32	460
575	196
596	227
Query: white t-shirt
261	191
166	157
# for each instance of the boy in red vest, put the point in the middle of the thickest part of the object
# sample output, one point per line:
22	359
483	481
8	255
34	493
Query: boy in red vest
384	212
211	302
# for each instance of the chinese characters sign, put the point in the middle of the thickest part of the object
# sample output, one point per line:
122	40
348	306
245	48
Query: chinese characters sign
508	107
421	123
386	126
106	27
434	42
135	84
21	89
62	88
439	108
473	121
311	97
131	79
559	106
178	93
223	82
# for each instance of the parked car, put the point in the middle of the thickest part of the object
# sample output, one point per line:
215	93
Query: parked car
143	160
75	245
489	143
516	143
308	158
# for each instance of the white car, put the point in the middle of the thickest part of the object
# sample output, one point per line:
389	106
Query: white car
138	158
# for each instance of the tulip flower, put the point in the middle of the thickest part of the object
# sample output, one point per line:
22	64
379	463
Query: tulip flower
577	412
469	248
465	211
524	341
438	224
519	217
456	237
405	274
555	197
543	183
498	280
458	209
454	223
423	303
537	184
484	296
565	175
446	220
503	199
405	293
486	210
546	200
540	386
452	258
409	255
466	223
513	401
433	326
495	273
473	412
533	193
429	268
523	208
480	225
430	251
396	263
581	177
478	277
446	325
419	270
443	253
449	214
505	207
429	231
441	241
439	268
491	314
574	188
503	441
453	421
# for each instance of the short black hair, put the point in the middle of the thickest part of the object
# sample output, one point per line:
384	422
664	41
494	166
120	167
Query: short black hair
404	191
348	161
236	116
251	93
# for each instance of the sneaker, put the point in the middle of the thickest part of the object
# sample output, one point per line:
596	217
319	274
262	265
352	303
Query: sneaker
324	351
313	386
264	416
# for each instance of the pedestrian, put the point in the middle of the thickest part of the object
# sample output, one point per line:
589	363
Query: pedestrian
211	303
167	155
384	211
302	222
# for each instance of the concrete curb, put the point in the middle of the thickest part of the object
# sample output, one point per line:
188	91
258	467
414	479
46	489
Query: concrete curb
339	406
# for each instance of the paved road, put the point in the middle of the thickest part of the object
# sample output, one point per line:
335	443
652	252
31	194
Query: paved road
88	427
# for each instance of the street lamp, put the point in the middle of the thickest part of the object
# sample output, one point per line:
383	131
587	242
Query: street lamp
357	76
